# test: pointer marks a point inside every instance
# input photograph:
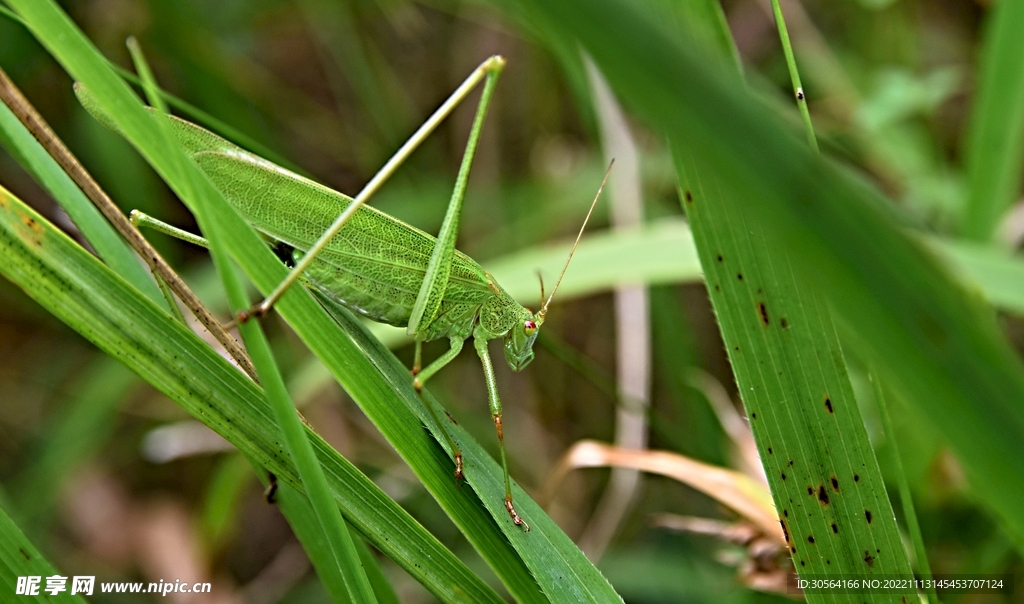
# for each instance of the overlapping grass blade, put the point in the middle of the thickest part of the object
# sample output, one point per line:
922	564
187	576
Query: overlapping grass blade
789	367
19	558
336	550
995	143
86	295
20	143
938	345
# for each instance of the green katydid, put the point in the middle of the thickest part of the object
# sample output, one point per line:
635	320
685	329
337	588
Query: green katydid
377	265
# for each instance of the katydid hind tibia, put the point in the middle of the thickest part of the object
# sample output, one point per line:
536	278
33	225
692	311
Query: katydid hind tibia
373	263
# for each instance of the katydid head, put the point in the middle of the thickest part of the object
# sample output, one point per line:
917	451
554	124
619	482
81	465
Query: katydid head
519	340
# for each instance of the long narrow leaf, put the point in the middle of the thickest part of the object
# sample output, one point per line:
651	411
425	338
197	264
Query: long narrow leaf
86	295
995	144
115	252
20	559
938	345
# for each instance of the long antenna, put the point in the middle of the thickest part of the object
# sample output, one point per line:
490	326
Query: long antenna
544	309
540	276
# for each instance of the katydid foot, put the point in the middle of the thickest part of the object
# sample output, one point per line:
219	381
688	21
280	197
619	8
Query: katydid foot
270	493
417	384
515	516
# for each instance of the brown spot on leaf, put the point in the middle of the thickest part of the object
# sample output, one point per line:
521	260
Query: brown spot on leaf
785	529
720	258
828	404
810	491
867	514
810	538
783	475
856	477
689	197
835	483
769	450
822	495
33	231
835	529
739	276
869	559
784	323
764	313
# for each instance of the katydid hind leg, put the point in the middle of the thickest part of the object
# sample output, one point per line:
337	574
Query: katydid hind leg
420	377
417	362
488	69
494	401
435	280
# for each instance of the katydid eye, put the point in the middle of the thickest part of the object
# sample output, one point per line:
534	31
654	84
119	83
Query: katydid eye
530	328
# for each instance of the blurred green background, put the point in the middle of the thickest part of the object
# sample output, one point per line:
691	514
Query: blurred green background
110	478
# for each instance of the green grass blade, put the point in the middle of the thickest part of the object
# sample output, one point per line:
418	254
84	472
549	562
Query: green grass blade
85	294
381	587
794	73
660	252
995	143
937	345
789	367
19	558
923	567
992	271
340	550
20	143
310	534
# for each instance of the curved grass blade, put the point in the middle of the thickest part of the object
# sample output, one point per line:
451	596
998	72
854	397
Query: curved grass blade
19	558
936	344
339	551
86	295
789	367
995	143
20	143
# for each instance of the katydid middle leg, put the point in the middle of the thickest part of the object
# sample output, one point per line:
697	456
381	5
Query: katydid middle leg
494	402
421	376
